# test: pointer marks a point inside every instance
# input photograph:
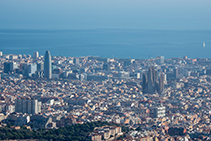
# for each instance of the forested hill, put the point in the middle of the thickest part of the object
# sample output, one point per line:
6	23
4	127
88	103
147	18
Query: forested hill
76	132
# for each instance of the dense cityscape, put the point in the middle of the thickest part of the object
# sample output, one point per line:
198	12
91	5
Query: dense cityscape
156	99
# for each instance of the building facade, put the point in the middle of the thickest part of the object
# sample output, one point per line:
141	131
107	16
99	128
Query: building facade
151	83
36	55
47	65
29	69
10	66
159	112
27	106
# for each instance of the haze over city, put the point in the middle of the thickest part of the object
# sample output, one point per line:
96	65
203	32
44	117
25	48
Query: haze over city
105	70
135	14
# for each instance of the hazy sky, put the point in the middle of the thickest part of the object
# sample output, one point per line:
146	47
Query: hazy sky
86	14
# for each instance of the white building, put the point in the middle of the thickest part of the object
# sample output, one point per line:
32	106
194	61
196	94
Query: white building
159	112
35	54
27	106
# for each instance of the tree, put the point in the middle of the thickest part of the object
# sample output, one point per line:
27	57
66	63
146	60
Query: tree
78	132
138	129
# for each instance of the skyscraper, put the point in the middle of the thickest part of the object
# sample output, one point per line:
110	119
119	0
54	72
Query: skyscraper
29	69
160	60
47	65
36	55
10	66
76	61
40	66
176	72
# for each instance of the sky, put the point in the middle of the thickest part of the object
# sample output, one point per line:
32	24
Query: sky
89	14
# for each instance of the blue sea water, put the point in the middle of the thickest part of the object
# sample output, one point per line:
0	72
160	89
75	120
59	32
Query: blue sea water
120	43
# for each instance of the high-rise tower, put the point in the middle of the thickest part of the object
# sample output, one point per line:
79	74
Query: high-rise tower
47	65
35	54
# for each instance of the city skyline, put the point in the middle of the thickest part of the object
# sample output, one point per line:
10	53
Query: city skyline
105	70
166	97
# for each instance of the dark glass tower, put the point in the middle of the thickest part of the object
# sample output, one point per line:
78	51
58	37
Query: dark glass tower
47	65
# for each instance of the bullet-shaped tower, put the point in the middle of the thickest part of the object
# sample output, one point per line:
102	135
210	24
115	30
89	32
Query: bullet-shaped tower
47	65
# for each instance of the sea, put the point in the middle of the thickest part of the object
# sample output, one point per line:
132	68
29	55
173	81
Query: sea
108	43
